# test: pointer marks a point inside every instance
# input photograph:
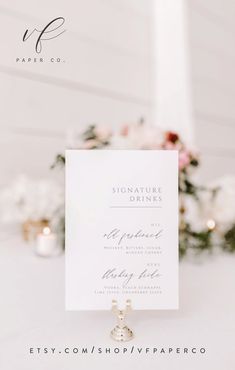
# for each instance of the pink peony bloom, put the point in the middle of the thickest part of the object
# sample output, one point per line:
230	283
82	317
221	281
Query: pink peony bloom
145	136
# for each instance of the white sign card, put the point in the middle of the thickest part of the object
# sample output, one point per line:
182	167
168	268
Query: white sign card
121	229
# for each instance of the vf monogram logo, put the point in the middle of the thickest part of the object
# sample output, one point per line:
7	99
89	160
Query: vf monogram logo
51	31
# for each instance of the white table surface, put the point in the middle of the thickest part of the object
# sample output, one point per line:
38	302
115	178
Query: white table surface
33	315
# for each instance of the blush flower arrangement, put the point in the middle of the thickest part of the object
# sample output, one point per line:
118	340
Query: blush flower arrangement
202	226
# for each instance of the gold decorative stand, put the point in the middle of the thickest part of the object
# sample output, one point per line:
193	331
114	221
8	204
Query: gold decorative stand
121	333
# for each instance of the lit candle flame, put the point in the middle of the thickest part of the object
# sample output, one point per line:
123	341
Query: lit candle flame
46	231
210	224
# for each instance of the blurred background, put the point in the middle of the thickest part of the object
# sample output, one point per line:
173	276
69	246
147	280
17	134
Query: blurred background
170	62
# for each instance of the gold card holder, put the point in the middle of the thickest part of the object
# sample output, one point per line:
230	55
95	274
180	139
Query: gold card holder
121	332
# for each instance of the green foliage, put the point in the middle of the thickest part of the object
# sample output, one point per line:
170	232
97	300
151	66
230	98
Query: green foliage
59	161
229	238
196	241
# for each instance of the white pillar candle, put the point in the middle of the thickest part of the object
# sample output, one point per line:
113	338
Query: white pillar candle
47	244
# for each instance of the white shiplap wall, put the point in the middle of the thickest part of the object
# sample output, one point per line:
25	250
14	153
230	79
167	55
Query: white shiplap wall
211	40
107	77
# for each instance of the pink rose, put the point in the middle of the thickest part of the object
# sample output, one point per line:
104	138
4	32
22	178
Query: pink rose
90	144
103	133
124	130
184	159
171	146
172	137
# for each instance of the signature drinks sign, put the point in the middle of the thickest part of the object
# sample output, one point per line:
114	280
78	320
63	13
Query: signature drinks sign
121	229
